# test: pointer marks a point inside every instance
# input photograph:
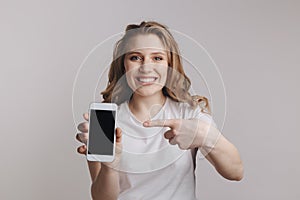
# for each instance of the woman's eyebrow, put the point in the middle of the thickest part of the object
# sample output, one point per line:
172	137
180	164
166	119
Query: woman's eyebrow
138	52
159	52
133	52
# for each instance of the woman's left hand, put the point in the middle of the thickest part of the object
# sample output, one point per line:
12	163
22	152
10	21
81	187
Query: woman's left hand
187	133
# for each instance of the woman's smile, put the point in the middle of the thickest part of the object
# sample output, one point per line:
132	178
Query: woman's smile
146	80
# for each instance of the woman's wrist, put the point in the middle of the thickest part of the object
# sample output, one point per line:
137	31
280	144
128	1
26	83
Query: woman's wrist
107	169
210	140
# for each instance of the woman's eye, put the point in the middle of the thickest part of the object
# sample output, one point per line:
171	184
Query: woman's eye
135	58
158	58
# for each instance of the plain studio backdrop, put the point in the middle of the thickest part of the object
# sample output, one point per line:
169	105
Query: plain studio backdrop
255	45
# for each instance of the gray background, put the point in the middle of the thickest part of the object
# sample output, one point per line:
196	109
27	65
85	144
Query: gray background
254	43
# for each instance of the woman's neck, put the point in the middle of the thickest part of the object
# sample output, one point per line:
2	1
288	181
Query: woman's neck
144	108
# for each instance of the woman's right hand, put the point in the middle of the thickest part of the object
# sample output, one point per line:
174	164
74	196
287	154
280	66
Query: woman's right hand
82	137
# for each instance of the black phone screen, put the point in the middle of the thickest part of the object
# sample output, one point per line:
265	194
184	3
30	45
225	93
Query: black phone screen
101	132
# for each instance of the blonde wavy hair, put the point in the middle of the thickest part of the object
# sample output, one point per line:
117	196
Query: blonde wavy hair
177	85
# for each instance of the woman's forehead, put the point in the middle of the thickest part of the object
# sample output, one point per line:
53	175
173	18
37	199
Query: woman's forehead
148	42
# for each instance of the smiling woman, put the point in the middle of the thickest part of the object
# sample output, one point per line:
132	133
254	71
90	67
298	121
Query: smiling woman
160	40
161	126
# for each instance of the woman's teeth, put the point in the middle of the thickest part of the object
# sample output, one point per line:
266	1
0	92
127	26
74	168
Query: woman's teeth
146	80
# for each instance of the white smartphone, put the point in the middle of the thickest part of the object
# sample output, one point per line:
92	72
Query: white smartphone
102	132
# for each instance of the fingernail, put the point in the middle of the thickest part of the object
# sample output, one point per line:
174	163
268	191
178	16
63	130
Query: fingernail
146	123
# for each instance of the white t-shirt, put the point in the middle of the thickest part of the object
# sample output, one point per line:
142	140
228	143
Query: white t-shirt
151	168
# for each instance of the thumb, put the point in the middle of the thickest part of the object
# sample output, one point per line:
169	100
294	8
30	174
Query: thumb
118	141
118	135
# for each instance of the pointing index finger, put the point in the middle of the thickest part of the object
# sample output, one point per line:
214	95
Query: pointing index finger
160	123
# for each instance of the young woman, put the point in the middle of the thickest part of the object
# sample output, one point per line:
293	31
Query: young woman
161	126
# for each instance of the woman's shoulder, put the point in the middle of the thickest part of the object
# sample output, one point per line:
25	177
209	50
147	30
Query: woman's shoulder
184	108
187	111
178	104
123	106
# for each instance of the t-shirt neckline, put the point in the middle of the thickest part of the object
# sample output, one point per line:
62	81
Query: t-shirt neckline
156	116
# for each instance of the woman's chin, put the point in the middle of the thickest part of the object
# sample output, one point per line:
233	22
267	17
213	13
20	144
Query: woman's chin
149	90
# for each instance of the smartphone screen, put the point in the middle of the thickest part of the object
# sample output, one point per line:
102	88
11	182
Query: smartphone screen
101	132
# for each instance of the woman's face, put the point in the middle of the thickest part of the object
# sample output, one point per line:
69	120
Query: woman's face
146	64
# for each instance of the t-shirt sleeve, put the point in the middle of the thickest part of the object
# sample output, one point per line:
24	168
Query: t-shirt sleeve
198	114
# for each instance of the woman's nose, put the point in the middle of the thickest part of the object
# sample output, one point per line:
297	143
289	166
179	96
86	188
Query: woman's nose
146	60
146	65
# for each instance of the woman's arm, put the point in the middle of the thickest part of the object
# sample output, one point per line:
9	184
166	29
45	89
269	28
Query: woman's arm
106	183
105	177
195	133
223	155
94	168
105	180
